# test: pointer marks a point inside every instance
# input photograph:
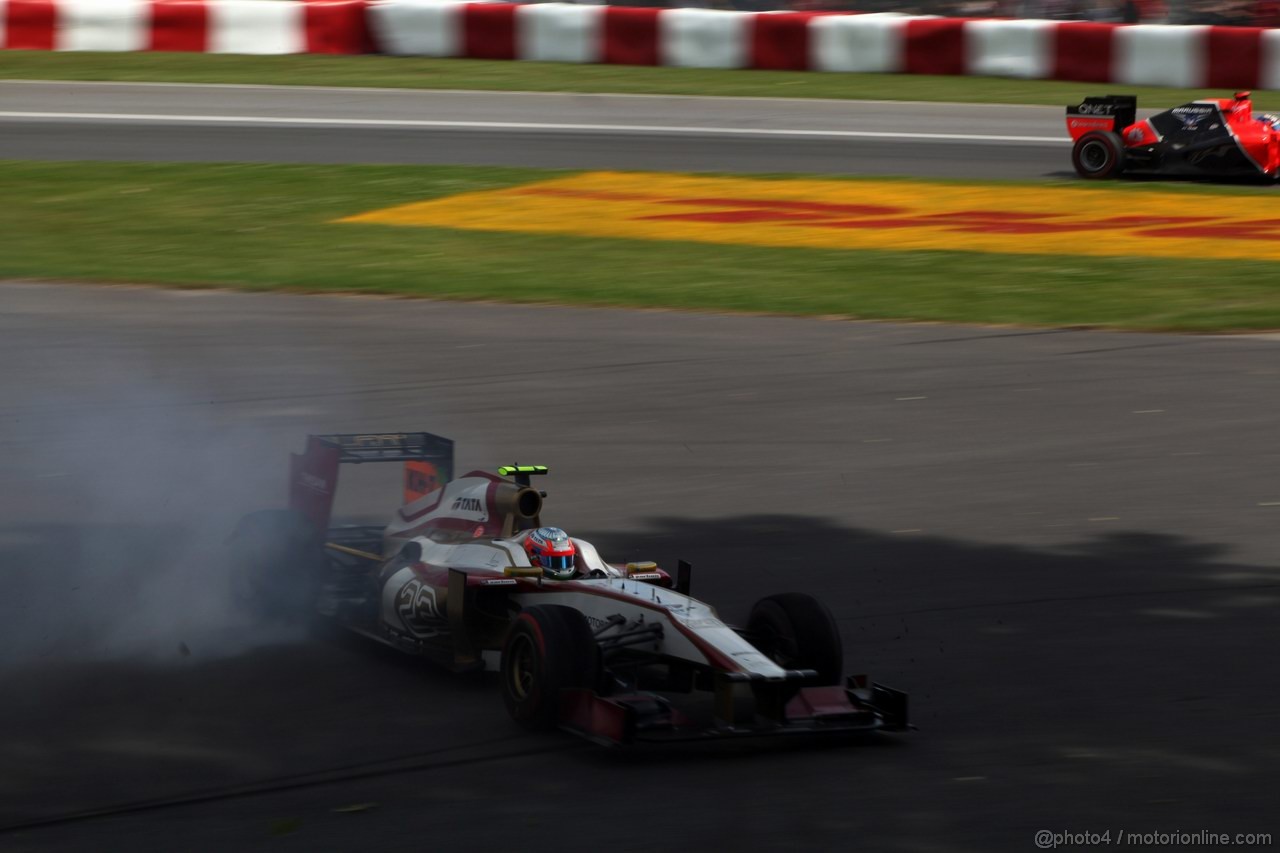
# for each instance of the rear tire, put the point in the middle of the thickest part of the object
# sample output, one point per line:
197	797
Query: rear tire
276	562
548	648
796	631
1098	155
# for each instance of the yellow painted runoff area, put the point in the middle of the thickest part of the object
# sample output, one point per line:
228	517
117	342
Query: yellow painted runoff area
896	215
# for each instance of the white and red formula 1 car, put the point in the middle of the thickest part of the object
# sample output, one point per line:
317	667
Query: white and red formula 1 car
607	653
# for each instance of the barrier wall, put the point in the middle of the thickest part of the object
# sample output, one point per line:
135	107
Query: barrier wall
1186	56
210	26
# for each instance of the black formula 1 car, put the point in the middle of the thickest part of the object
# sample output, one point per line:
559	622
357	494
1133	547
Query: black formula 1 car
617	653
1217	138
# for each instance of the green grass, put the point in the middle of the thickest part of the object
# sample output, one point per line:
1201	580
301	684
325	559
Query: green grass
421	73
262	227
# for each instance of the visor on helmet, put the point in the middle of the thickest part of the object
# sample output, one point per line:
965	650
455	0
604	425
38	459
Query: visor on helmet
556	564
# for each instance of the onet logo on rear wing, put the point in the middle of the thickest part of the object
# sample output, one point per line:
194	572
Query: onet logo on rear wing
1109	112
313	474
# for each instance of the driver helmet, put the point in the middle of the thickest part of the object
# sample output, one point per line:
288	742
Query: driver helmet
551	549
1271	119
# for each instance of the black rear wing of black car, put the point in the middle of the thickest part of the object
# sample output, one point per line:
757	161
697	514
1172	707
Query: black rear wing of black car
313	474
1121	109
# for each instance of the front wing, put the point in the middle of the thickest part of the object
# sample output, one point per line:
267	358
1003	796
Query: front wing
648	718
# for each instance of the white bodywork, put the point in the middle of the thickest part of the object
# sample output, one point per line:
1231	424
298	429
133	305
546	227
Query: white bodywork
454	528
681	615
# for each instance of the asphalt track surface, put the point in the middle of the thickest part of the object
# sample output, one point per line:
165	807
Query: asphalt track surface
171	122
1062	543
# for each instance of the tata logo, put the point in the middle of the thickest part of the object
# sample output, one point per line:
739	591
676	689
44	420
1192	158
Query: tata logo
467	505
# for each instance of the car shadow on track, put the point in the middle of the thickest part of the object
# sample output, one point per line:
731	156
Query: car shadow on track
131	679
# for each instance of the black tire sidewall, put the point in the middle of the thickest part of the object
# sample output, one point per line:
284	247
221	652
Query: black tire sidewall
566	656
1112	144
276	559
806	622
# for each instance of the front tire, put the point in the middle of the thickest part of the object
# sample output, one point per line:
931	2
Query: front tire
548	648
796	631
1098	155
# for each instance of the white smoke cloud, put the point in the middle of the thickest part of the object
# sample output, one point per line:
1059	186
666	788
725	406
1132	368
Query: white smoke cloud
118	492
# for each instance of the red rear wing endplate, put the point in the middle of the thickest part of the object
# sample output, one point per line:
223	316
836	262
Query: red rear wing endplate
313	474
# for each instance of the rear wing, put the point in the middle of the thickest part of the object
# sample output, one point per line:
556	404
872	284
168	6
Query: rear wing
313	474
1109	112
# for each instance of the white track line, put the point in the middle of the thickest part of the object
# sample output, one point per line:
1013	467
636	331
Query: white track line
524	93
532	126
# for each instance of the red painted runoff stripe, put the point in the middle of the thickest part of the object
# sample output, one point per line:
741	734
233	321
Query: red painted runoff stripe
489	30
337	26
1082	51
1235	56
934	46
181	25
781	42
630	36
30	24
